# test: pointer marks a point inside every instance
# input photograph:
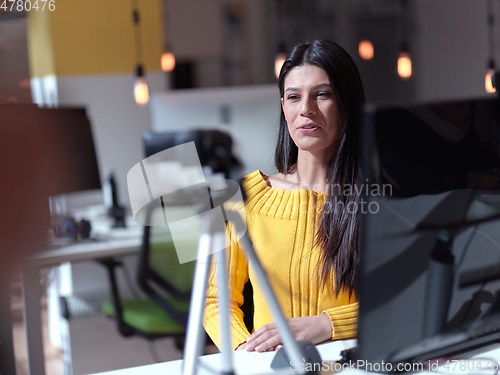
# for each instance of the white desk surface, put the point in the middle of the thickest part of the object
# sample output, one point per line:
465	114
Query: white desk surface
254	363
110	242
245	363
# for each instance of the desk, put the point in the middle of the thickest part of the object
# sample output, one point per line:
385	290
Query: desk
259	363
116	242
245	363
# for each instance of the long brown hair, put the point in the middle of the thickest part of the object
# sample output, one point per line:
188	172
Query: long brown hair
338	230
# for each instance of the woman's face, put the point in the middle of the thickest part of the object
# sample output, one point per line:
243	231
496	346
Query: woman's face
310	109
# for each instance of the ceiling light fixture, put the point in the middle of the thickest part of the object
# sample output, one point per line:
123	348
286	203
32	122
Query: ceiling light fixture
404	67
141	90
167	61
489	78
365	49
168	57
280	57
279	60
365	45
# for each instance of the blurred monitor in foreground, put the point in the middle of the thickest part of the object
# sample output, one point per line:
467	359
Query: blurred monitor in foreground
24	217
44	152
432	181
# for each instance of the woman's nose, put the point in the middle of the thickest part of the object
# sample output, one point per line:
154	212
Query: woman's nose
308	107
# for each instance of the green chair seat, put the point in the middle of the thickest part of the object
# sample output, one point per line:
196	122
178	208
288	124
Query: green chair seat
147	316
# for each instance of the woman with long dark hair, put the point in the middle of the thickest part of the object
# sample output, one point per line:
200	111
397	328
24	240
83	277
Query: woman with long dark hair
304	220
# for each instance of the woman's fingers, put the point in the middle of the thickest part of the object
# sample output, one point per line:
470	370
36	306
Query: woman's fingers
262	330
265	338
264	341
242	346
270	343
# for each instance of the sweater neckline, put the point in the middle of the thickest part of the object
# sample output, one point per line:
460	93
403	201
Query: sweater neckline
280	203
261	174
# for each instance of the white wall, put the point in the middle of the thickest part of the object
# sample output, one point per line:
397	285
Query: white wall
254	118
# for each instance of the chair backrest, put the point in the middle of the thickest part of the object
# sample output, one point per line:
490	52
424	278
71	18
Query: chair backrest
161	276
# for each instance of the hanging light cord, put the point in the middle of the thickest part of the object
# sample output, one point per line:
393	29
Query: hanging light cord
367	8
137	32
404	24
491	25
167	25
280	24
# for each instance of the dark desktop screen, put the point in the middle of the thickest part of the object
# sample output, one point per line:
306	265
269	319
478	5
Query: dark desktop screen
71	149
434	165
431	149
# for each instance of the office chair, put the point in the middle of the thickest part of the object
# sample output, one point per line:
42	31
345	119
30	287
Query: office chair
166	283
168	286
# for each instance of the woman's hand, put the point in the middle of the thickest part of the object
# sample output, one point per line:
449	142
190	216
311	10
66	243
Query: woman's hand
316	329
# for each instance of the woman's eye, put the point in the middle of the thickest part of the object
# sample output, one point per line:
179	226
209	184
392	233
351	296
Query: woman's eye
292	97
324	94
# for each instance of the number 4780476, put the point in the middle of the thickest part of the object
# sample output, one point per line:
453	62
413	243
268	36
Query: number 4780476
28	5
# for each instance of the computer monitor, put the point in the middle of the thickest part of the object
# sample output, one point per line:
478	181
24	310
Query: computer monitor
65	143
430	188
71	149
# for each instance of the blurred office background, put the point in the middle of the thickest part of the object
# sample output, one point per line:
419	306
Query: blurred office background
85	54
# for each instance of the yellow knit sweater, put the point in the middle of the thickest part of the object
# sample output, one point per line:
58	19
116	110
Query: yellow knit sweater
281	224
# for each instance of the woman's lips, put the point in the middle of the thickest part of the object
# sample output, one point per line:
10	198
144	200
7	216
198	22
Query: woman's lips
309	128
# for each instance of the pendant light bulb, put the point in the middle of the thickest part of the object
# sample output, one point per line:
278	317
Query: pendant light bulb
141	90
404	65
278	63
489	79
365	49
167	61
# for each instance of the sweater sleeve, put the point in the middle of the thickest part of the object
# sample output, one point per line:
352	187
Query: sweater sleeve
344	321
238	276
